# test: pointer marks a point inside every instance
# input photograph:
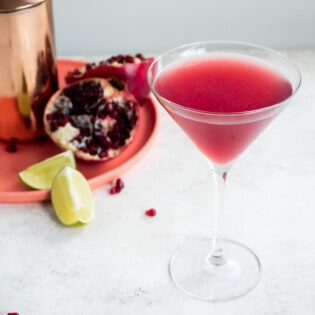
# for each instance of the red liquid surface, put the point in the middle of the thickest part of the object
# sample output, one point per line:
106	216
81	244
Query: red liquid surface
222	85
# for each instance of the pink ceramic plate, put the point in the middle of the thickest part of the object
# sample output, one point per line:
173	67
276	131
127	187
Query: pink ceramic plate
97	174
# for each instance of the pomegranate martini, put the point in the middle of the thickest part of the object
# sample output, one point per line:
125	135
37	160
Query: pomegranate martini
222	95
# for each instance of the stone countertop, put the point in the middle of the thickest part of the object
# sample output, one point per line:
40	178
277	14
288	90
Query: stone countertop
118	264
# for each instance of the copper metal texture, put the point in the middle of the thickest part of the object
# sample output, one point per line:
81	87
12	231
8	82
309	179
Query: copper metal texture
28	70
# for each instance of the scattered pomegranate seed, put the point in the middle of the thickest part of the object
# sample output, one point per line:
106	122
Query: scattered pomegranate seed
114	190
118	186
150	212
13	314
119	183
11	146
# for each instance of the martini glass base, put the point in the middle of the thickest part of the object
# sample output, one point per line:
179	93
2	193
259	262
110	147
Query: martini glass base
192	271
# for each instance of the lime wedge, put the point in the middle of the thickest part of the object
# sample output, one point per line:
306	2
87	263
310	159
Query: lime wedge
42	174
72	197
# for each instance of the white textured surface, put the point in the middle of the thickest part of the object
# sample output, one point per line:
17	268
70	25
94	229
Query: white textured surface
119	263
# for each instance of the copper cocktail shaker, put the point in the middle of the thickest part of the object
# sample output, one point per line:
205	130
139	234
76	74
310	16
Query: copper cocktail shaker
28	70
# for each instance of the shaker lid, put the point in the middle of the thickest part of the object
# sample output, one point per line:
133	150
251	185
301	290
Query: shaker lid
7	6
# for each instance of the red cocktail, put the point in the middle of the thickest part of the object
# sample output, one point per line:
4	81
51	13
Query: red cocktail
221	85
222	95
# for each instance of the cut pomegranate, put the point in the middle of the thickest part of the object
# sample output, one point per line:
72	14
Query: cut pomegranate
150	212
95	118
130	69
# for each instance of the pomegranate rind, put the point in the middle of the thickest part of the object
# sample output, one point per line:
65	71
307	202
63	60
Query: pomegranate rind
133	74
66	136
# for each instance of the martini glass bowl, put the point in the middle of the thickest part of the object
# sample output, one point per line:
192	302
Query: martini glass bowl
222	95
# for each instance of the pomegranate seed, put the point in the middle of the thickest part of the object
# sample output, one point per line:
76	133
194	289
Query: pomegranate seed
102	115
50	116
120	59
54	126
140	56
11	146
114	190
63	121
129	59
119	85
112	59
13	314
103	154
150	212
84	150
119	183
115	145
59	114
93	149
118	186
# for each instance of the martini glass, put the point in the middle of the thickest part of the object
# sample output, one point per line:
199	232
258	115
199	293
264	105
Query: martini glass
222	95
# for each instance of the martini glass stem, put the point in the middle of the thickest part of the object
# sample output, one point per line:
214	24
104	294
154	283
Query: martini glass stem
216	256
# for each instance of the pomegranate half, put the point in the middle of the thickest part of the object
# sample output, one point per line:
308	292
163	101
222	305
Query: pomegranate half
95	118
130	69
